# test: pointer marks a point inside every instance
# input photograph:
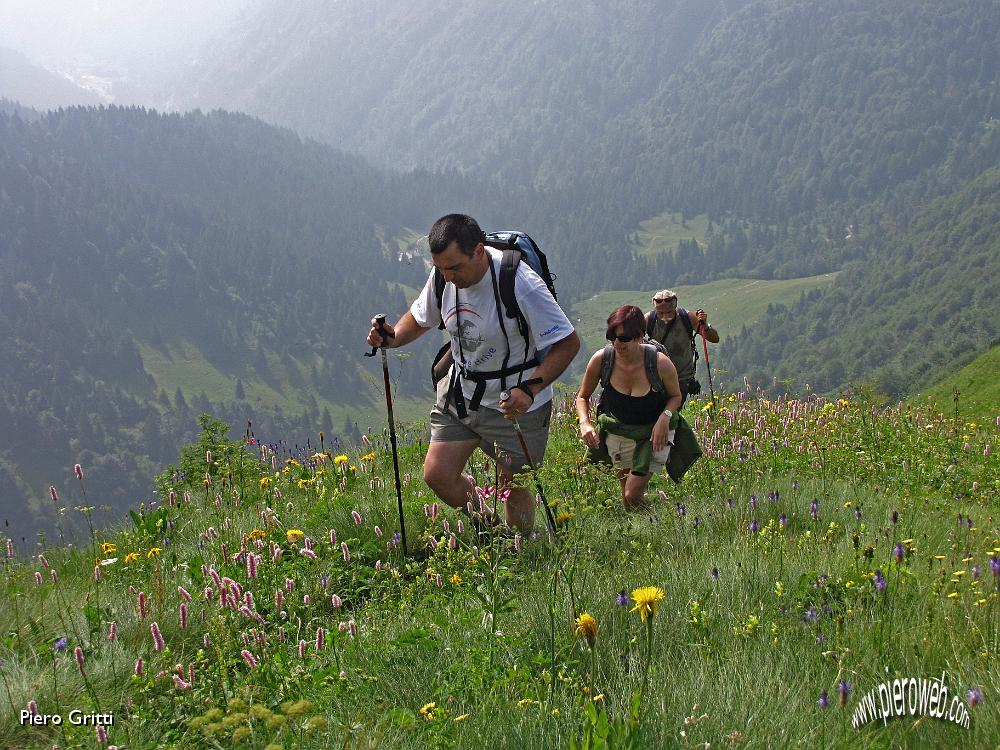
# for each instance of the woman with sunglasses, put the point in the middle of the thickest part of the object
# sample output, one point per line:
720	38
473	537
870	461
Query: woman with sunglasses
633	424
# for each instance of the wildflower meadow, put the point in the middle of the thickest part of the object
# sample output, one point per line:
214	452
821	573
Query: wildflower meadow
819	550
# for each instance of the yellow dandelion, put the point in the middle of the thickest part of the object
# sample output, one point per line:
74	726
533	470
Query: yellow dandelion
428	711
456	579
340	460
154	551
563	518
131	557
292	462
254	535
586	627
708	406
368	456
265	482
294	535
107	548
646	600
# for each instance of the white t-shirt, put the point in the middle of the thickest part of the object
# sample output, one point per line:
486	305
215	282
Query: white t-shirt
482	340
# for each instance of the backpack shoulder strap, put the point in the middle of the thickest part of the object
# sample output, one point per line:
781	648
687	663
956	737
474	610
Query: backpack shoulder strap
439	283
508	271
652	371
650	322
607	364
685	317
686	320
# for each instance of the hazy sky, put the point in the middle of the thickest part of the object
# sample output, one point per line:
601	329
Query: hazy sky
120	33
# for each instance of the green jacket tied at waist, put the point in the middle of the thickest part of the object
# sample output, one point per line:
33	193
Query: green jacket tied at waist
684	450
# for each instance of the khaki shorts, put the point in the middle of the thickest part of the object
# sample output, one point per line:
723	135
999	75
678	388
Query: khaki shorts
493	431
621	450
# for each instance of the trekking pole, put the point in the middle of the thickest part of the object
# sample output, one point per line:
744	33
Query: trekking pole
380	324
549	518
704	343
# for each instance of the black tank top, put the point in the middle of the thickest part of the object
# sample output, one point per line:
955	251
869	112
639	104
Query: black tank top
633	410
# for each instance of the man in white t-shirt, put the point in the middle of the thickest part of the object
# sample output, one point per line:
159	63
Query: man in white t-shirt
469	414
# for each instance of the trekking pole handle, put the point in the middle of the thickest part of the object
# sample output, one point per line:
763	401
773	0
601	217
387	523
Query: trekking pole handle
380	327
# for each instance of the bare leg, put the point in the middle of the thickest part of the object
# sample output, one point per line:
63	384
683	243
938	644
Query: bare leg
520	505
634	492
444	468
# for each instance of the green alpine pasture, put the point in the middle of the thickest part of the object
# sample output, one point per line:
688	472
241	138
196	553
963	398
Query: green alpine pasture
731	303
977	384
662	233
817	550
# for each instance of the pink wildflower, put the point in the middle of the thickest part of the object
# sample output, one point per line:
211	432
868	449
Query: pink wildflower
345	552
78	654
102	734
320	639
336	601
302	649
357	517
154	630
184	615
184	594
307	553
54	494
179	682
249	659
137	669
78	470
113	631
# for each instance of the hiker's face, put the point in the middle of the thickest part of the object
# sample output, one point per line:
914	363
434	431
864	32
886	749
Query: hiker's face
624	346
460	269
666	308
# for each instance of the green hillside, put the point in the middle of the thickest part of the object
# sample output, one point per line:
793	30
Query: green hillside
731	303
978	385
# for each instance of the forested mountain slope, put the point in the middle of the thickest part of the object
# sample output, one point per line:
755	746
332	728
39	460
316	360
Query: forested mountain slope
123	231
912	312
511	88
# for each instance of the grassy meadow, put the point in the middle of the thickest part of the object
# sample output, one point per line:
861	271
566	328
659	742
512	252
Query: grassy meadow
977	383
818	549
731	303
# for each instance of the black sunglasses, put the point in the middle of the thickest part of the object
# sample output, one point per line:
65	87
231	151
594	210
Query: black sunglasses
623	339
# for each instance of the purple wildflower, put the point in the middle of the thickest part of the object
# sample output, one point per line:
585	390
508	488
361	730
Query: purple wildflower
60	644
715	574
754	526
681	509
753	502
899	552
783	520
857	513
814	509
895	517
810	615
824	700
697	521
879	580
622	599
995	566
843	690
974	695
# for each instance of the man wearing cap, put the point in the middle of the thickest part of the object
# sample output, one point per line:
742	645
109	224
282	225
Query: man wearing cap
675	328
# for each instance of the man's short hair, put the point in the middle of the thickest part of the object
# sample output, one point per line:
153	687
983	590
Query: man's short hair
630	318
458	228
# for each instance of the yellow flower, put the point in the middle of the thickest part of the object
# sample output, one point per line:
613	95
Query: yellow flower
953	595
253	535
107	548
524	702
463	717
340	460
456	579
265	482
292	462
646	600
294	535
586	627
428	711
368	456
563	518
708	406
154	551
131	557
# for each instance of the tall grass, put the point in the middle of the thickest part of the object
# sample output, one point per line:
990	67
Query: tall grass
767	555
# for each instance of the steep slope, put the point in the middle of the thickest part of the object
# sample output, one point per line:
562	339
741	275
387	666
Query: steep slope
214	238
914	310
33	86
